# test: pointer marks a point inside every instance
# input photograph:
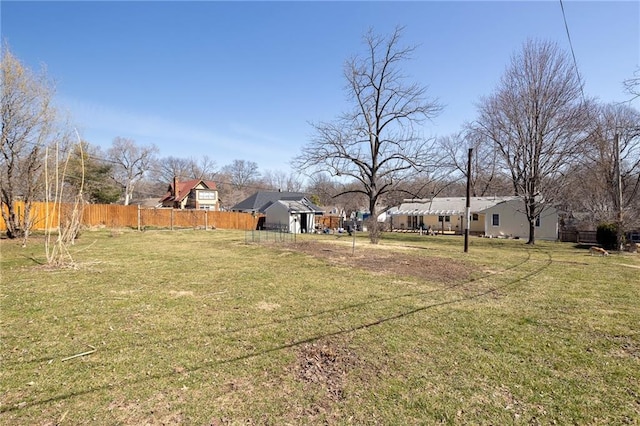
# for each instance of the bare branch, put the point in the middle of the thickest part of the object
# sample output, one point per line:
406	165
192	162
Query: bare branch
377	144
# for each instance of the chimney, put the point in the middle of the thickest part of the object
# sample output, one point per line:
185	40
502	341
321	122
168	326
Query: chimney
176	190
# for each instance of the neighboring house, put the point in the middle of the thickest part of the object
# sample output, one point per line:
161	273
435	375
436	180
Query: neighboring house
288	211
490	216
192	194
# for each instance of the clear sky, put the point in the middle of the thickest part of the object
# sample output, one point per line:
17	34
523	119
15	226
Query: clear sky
243	80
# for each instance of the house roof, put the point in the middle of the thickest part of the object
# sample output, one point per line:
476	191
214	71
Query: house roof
302	206
185	187
445	206
259	201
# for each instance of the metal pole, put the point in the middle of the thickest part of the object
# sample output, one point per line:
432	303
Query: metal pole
468	209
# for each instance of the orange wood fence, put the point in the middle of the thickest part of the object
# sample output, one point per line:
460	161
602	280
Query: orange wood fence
117	216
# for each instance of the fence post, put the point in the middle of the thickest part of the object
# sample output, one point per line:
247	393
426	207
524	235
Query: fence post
171	221
206	223
139	227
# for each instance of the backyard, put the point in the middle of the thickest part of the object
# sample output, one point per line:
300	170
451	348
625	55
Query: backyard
211	328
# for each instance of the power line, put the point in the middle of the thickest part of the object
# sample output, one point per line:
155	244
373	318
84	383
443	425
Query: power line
573	54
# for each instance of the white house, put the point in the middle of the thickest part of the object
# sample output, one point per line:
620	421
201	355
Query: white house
490	216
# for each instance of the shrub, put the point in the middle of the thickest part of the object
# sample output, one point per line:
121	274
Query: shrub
607	236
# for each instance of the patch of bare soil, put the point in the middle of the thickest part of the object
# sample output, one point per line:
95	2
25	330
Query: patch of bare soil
390	262
325	363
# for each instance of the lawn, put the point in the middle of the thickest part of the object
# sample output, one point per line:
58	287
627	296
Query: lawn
210	328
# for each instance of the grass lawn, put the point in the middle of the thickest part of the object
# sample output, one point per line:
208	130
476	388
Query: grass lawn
205	328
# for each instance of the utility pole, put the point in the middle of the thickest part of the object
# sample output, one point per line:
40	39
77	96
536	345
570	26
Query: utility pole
468	209
616	148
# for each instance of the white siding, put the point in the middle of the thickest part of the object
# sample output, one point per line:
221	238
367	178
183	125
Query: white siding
514	223
277	216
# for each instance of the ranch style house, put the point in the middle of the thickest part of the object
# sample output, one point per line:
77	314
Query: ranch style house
494	217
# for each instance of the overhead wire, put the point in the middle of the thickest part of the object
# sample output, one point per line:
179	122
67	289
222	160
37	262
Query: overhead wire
573	54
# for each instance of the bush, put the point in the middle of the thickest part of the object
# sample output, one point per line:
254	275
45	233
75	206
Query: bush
607	236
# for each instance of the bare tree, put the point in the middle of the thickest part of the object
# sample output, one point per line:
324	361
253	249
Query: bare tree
131	162
170	167
279	180
238	180
242	173
378	143
454	156
537	122
607	121
29	124
202	168
632	85
323	187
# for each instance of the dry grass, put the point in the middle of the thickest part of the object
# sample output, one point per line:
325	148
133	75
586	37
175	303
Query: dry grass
197	327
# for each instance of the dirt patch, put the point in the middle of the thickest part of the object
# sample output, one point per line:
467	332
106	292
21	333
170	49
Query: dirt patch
325	364
180	293
392	262
266	306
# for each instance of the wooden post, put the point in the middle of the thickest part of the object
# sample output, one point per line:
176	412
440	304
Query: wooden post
620	230
139	227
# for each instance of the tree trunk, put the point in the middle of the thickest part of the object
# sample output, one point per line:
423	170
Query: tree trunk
374	229
12	226
532	231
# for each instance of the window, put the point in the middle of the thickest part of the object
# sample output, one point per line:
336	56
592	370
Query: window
474	217
538	221
207	195
444	218
495	219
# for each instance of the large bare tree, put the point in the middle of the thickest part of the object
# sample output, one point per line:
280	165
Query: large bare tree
203	168
536	120
454	157
130	163
601	161
29	125
242	173
378	143
238	180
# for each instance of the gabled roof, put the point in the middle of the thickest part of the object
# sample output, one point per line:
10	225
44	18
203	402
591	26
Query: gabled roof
259	201
302	206
186	187
446	206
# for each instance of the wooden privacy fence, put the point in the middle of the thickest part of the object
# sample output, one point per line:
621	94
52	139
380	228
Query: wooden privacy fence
117	216
574	236
329	221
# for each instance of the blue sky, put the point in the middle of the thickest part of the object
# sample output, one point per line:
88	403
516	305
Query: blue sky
243	80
